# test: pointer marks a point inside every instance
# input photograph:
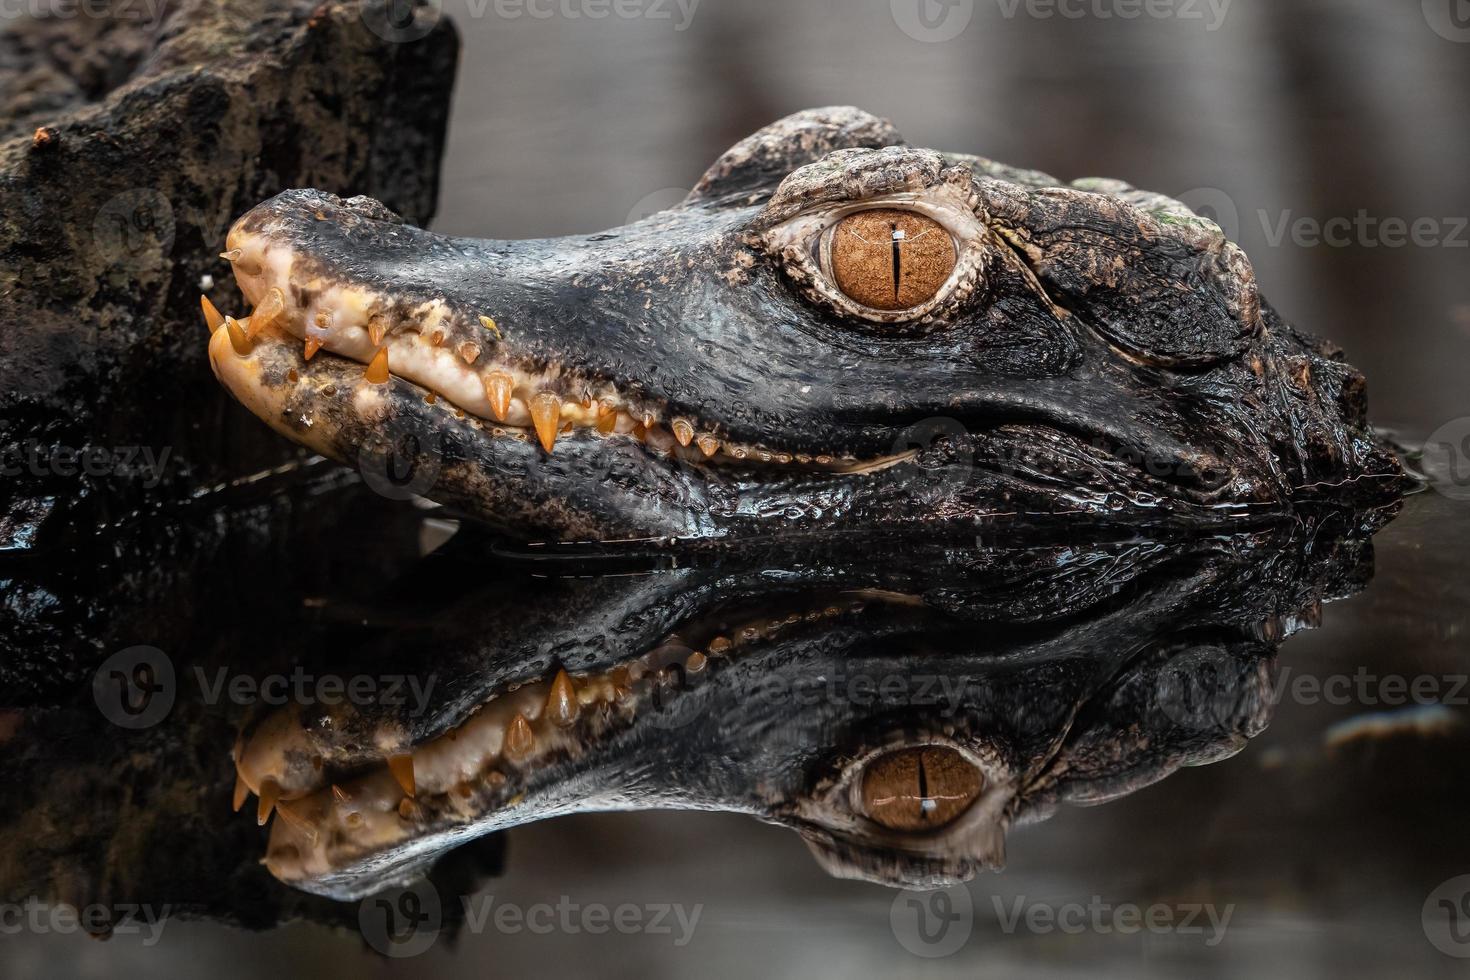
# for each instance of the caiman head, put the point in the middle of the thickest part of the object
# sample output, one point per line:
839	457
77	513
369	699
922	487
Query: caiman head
834	329
901	712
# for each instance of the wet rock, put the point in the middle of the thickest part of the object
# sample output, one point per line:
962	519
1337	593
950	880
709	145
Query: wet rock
133	133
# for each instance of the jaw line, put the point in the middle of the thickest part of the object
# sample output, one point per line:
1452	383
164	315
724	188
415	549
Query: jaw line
467	782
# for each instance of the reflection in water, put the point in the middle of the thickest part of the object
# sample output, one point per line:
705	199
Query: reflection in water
900	714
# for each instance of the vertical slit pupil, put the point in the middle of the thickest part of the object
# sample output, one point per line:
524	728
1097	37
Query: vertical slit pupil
925	804
898	237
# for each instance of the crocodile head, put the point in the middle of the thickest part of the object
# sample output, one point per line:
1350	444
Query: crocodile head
901	711
834	329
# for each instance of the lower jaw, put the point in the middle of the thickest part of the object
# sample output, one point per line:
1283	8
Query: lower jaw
481	769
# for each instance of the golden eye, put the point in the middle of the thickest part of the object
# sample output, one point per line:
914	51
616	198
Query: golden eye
919	788
888	259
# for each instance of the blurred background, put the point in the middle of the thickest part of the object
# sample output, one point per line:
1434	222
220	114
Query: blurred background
1325	137
1275	118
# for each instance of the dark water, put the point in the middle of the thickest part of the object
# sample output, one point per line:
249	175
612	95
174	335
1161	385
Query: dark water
1330	841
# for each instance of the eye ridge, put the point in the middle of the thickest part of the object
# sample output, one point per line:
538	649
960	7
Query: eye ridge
888	259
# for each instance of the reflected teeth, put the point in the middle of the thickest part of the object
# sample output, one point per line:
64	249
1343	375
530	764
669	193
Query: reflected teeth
401	766
312	346
709	445
460	773
561	704
377	369
270	310
298	822
377	329
238	338
213	319
520	741
683	431
546	416
269	794
607	419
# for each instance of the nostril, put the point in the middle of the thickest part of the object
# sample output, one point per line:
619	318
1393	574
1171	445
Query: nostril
1213	477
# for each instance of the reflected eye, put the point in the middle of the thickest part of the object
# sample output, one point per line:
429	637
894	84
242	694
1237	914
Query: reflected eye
887	259
919	788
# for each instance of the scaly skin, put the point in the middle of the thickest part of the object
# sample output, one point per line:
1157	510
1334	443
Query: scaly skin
1098	354
776	683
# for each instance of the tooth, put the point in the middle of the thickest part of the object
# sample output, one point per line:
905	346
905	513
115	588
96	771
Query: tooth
520	741
401	766
238	340
709	445
683	431
437	338
212	316
270	308
312	346
377	329
298	823
561	706
470	352
232	255
341	795
649	419
269	794
607	419
695	663
242	792
489	325
498	387
546	414
377	369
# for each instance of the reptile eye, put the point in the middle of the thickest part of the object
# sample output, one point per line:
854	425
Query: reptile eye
919	788
887	259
